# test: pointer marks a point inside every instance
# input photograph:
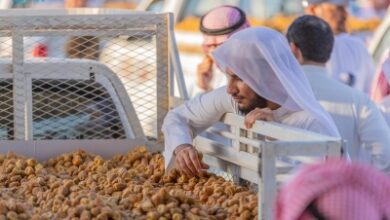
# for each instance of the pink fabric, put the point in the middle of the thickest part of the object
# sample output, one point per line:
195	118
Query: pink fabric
381	85
341	191
221	17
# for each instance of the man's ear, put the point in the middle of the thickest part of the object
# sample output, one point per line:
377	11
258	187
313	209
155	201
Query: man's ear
297	52
294	49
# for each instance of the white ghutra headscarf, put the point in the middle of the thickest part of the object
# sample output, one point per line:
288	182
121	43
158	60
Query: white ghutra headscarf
262	58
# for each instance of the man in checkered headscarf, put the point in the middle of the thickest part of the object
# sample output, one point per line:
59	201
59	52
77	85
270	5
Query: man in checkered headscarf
335	190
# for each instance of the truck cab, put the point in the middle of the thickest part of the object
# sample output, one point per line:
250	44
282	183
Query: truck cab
68	104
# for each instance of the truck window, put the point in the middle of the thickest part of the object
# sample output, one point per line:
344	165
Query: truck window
74	109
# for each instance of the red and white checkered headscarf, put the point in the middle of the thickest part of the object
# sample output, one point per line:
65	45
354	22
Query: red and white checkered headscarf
335	190
219	18
381	83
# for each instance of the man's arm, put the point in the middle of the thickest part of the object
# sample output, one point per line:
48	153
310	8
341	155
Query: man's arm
183	123
204	74
375	134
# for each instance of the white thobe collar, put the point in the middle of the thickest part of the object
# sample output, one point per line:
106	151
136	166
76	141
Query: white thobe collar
316	69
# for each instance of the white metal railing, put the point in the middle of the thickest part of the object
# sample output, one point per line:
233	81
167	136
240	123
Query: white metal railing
267	161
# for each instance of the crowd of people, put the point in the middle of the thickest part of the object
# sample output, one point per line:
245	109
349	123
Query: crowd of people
316	77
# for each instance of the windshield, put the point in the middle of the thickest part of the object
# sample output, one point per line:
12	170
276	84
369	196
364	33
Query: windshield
74	109
64	109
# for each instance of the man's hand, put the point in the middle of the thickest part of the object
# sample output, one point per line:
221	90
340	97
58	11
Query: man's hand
205	73
264	114
187	160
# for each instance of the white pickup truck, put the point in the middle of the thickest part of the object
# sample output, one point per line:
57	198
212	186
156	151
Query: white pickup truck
73	92
69	105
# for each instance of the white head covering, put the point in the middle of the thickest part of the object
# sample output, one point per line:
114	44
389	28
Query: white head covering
262	58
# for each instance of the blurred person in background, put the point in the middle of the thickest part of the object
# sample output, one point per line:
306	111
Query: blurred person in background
83	47
357	118
6	4
216	26
265	82
74	47
138	74
350	61
372	9
123	4
335	190
84	3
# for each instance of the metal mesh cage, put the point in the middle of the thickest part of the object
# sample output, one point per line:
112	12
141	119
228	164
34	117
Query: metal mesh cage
73	109
133	58
78	70
6	110
261	158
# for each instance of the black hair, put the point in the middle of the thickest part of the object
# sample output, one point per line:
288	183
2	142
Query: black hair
313	36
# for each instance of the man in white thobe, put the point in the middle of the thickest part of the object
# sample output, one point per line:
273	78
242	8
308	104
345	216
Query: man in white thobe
357	118
265	82
216	26
350	61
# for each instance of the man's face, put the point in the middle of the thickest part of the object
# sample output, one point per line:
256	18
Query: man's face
335	15
243	95
209	48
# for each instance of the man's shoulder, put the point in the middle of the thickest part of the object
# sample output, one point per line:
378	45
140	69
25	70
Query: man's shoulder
321	80
218	93
348	38
216	99
351	41
325	87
